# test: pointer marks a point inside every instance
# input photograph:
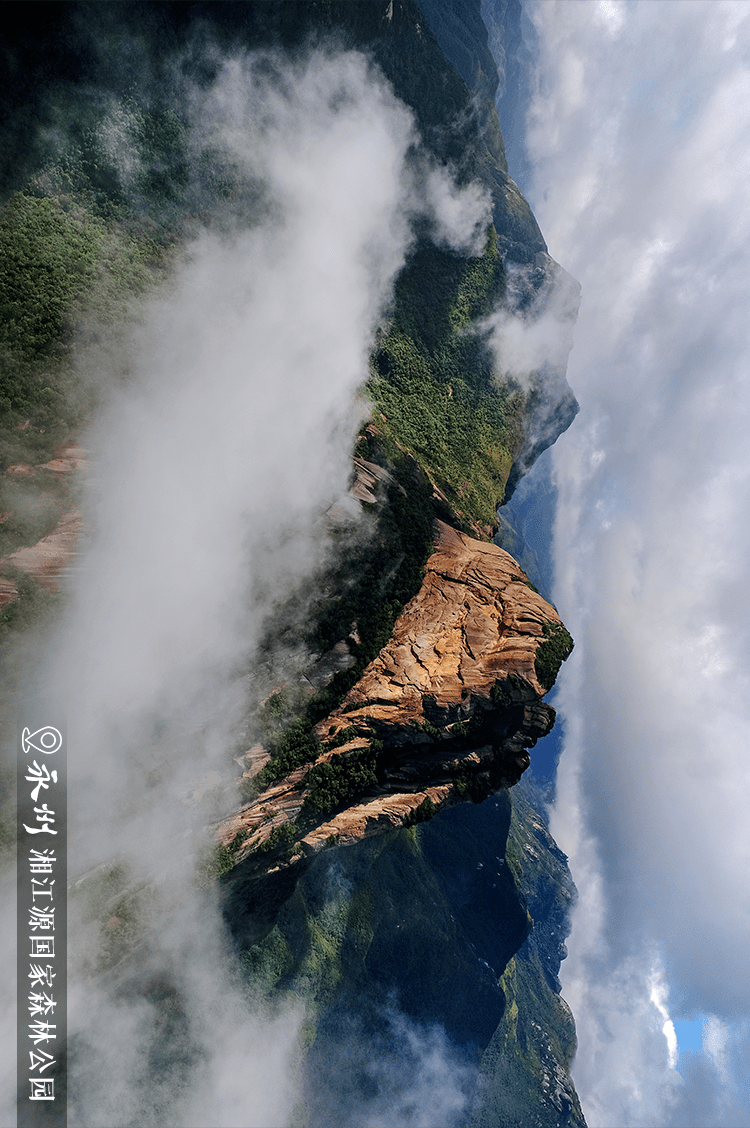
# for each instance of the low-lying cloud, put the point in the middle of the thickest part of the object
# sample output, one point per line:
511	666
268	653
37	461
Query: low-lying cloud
230	436
639	137
404	1073
532	337
460	215
225	435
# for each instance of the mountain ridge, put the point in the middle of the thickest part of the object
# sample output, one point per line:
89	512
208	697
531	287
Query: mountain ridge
452	703
376	850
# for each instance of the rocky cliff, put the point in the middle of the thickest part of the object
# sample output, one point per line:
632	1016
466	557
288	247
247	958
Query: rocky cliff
446	712
390	865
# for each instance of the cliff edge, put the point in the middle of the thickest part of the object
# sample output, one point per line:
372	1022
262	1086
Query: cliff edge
445	713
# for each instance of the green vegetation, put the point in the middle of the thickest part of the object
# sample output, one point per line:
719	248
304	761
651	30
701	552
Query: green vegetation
335	781
270	961
281	838
534	1044
56	258
223	858
34	605
221	862
427	728
128	163
110	898
296	745
502	692
95	230
354	705
465	782
343	736
551	653
322	946
372	582
388	918
238	839
160	138
47	258
514	857
423	813
68	274
73	255
303	951
433	381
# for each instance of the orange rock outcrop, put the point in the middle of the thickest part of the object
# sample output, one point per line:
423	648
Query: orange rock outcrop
451	704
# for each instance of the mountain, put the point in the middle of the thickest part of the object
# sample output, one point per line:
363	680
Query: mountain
382	861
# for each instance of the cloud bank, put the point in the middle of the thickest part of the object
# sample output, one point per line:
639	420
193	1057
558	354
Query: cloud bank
230	408
638	132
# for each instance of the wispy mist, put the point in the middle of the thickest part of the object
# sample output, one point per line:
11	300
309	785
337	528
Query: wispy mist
230	407
460	215
394	1072
639	135
530	335
531	338
230	435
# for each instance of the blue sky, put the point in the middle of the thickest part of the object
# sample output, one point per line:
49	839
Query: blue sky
639	134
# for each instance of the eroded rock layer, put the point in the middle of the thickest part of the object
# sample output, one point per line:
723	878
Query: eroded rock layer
445	713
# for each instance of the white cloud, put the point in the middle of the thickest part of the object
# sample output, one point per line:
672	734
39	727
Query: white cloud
226	434
402	1072
435	1088
215	461
533	339
611	14
715	1039
177	1041
624	1069
461	215
641	190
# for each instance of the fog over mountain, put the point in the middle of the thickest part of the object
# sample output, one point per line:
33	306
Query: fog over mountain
229	407
638	134
298	899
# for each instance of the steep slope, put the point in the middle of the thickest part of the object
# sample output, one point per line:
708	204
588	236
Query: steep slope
525	1065
446	711
540	287
429	650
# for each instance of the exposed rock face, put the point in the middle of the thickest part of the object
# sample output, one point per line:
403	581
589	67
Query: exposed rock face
475	620
445	713
367	476
51	556
8	591
68	460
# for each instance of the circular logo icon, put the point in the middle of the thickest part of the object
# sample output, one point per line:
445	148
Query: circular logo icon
46	739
